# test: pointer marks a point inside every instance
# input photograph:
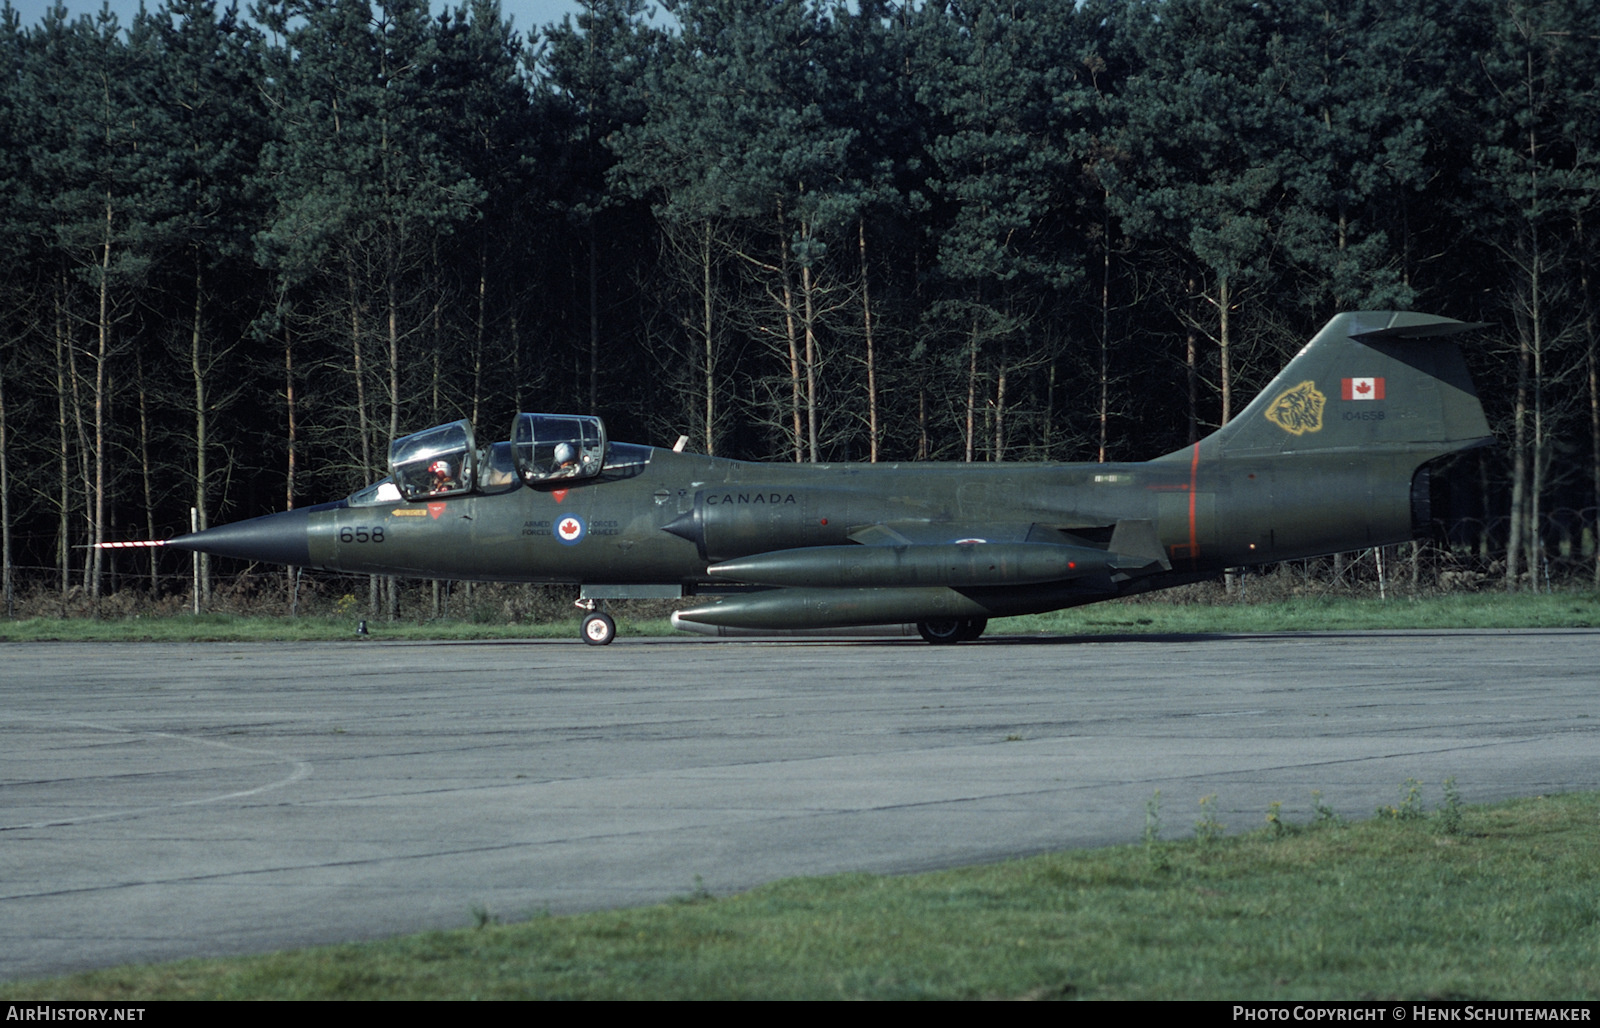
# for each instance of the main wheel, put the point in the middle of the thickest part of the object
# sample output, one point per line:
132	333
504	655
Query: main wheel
599	629
943	632
952	630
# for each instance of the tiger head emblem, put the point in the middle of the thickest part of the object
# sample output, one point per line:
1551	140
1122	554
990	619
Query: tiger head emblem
1298	410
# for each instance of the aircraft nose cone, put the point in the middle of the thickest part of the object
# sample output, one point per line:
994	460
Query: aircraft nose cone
281	538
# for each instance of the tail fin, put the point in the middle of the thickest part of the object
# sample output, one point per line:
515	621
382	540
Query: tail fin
1370	380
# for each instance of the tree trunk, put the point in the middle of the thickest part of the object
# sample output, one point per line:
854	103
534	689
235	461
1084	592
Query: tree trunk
1592	359
202	481
922	423
291	595
866	327
361	416
479	329
1539	455
84	475
365	444
999	452
1230	578
1224	341
809	316
710	350
392	295
791	335
1594	435
144	471
7	583
1192	373
972	387
62	353
1519	462
1104	411
102	351
594	322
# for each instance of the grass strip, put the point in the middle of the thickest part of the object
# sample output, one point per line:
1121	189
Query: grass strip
1146	617
248	628
1497	902
1317	614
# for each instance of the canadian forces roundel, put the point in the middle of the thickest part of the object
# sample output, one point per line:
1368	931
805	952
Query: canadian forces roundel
570	529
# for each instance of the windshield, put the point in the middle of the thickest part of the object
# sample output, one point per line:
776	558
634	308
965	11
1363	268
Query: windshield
381	491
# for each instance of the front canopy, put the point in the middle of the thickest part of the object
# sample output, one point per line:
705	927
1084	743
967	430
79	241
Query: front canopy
435	462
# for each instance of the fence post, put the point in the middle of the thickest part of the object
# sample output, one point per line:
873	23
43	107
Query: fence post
194	557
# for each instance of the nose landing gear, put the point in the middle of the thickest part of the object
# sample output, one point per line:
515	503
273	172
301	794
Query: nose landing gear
598	627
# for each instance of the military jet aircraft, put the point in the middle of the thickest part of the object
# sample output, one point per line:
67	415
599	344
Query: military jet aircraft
1334	455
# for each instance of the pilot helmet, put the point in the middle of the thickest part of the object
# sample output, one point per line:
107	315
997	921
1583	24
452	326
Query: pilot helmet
566	453
440	467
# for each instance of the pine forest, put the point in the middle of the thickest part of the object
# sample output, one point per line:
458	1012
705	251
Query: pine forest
248	247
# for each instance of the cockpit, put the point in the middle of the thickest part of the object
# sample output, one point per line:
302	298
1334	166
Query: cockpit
544	450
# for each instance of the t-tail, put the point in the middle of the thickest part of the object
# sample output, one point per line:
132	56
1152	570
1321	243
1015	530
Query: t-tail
1333	454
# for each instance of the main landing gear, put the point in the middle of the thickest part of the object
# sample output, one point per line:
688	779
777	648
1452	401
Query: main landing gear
952	630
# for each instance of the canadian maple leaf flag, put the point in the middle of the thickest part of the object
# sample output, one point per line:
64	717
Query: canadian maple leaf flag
1363	389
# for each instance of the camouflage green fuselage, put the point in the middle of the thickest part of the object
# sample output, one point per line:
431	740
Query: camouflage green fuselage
1325	459
1207	515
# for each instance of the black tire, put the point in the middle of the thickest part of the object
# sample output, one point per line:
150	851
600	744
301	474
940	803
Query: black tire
599	629
974	628
943	632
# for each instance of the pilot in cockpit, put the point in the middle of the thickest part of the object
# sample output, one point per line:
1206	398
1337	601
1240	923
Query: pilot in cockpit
442	480
566	459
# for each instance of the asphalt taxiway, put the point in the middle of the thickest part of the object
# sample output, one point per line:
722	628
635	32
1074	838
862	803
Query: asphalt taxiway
161	801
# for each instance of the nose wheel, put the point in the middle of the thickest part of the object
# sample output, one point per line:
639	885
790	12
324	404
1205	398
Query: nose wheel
599	629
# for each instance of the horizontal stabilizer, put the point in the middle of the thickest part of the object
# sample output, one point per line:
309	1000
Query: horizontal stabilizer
1137	547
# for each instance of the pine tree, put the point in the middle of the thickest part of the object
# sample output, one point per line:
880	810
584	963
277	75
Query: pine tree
1204	124
1009	116
88	88
208	131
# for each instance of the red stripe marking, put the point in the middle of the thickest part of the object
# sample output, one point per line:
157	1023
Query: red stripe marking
1194	478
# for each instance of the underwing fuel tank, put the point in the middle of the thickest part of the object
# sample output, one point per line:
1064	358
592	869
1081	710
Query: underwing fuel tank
825	607
955	564
830	608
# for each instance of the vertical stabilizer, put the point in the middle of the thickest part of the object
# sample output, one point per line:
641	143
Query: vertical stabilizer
1370	380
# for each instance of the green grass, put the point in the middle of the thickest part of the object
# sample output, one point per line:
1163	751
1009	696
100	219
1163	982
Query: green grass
1507	906
1463	610
1150	616
242	628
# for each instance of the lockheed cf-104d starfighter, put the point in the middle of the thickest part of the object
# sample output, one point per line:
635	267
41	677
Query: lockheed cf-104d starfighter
1333	456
